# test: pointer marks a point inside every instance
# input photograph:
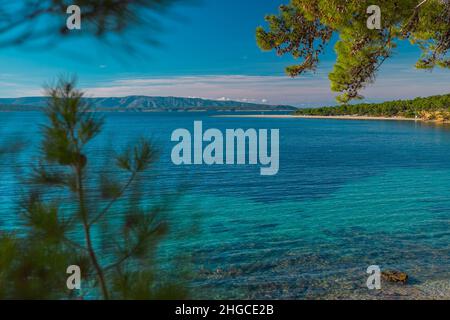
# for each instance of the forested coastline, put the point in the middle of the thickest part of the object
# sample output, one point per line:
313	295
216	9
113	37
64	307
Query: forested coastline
429	108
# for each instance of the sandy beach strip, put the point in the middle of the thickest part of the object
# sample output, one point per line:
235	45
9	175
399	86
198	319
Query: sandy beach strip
286	116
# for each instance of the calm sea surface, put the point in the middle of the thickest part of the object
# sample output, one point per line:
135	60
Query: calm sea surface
349	194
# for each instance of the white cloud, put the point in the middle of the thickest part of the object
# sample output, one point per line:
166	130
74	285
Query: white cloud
302	91
277	89
309	90
223	99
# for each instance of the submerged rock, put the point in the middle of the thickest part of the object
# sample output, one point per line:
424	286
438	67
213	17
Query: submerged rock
394	276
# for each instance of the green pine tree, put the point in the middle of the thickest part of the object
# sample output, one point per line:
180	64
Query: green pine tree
66	218
304	28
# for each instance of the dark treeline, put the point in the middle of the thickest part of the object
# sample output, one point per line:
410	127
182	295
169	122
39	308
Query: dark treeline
420	107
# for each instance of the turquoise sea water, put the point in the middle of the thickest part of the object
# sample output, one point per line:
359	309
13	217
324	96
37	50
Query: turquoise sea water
349	194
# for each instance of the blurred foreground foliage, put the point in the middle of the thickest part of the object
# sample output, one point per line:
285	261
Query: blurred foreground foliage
44	21
67	218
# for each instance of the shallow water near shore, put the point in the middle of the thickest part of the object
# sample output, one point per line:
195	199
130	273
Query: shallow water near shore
349	194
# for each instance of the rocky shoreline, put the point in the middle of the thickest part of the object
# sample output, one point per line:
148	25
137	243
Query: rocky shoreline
425	120
318	117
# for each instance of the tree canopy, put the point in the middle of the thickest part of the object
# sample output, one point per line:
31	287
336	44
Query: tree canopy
304	28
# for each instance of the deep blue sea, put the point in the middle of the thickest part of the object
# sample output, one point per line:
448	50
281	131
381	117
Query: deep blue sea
349	194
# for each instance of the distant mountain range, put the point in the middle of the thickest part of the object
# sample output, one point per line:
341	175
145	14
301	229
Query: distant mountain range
146	104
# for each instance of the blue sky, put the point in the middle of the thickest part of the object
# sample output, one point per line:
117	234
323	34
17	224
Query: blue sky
209	51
